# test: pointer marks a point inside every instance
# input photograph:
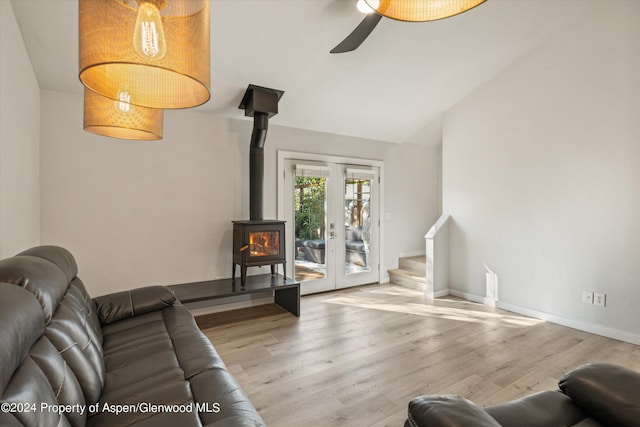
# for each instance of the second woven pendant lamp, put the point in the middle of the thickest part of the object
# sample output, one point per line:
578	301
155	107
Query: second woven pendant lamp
119	119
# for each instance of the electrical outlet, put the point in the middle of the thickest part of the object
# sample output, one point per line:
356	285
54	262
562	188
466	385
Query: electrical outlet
600	299
587	297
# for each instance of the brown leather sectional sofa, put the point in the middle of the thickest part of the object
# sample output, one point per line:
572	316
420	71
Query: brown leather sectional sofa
593	395
132	358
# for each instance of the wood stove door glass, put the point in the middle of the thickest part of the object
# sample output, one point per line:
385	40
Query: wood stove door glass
264	243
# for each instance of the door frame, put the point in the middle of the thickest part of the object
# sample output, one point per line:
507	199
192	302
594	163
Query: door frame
284	155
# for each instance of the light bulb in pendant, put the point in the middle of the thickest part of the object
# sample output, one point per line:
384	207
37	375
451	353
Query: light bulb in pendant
148	35
123	104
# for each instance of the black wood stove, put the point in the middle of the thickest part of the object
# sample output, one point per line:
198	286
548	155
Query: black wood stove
258	242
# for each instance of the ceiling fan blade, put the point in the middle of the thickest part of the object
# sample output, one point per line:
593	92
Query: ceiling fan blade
358	35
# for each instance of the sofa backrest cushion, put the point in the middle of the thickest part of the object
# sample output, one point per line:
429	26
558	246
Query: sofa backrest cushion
56	255
610	393
70	315
40	277
34	377
30	399
64	384
67	333
22	324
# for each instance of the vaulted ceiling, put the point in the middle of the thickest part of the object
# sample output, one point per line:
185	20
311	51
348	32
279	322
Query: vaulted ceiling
394	88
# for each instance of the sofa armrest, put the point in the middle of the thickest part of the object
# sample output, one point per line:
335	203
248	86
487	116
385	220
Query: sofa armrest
447	410
544	408
122	305
608	392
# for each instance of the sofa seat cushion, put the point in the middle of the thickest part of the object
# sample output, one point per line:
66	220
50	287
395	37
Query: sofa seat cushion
218	386
162	358
144	407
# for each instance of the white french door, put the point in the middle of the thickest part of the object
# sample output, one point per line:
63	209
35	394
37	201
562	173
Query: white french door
331	211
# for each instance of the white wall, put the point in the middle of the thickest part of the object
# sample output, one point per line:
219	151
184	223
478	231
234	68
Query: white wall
19	139
141	213
541	175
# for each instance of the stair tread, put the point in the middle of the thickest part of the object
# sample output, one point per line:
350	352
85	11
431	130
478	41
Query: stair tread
411	272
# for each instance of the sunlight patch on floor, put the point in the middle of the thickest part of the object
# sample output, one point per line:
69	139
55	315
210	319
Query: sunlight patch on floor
394	291
438	308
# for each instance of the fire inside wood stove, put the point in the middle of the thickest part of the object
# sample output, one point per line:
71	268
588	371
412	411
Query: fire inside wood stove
264	243
258	243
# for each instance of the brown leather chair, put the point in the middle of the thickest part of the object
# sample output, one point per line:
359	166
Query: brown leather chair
593	395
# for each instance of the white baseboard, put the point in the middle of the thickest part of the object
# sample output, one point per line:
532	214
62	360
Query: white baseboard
490	302
552	318
440	294
604	331
464	295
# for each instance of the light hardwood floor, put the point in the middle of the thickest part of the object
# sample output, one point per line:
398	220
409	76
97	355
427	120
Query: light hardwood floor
356	357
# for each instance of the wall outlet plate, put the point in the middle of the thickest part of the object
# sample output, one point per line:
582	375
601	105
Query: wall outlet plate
600	299
587	297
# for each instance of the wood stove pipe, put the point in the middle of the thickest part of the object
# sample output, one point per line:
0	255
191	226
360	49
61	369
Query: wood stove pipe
256	165
261	103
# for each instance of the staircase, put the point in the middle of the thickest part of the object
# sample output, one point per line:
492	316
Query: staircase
411	272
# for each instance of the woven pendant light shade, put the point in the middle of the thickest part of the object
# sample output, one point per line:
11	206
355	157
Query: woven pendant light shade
421	10
156	49
120	119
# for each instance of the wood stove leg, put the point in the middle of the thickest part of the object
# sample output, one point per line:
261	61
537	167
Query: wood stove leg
233	272
273	269
243	276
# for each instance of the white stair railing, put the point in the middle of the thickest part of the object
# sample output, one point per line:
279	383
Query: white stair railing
437	248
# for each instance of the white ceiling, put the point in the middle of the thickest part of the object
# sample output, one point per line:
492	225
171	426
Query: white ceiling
393	88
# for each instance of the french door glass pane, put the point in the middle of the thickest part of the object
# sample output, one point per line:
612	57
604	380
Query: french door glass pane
310	201
357	225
